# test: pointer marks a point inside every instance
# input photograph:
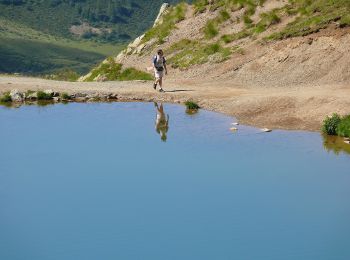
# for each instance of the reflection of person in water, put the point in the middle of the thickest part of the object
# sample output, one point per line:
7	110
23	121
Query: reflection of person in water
162	122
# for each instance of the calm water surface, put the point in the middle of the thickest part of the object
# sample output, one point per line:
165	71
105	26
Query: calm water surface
112	181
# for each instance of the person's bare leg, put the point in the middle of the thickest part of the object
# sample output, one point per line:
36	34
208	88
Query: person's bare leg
155	83
161	84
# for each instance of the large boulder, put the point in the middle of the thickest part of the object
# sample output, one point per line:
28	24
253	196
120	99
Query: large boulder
16	96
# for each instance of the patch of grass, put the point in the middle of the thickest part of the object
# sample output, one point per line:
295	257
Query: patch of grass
267	19
191	105
43	96
134	74
345	21
228	38
162	30
344	127
210	30
200	6
64	75
114	71
313	16
197	53
238	49
5	98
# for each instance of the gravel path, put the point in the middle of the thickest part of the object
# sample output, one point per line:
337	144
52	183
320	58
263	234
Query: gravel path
300	107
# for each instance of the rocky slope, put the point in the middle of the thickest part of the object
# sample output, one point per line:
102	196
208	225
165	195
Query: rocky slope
250	43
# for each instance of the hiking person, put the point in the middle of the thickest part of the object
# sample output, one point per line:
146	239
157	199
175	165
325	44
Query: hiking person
162	122
159	66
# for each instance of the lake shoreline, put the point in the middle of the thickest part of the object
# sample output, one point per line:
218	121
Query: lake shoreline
290	108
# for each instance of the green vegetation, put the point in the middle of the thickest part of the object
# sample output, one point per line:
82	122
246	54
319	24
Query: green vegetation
337	125
313	16
249	5
5	98
113	71
36	57
162	30
64	75
210	30
189	53
43	96
72	34
65	96
344	127
191	105
227	38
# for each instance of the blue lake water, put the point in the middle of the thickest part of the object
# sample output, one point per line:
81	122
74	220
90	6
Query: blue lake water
96	181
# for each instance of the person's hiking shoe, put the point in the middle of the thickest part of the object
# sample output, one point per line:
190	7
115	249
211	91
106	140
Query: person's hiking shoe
154	86
161	90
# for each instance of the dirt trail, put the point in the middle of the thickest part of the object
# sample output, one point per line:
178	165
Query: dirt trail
300	107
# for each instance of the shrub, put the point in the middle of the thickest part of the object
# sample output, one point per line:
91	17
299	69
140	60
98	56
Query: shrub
344	127
65	96
191	105
330	124
5	98
43	96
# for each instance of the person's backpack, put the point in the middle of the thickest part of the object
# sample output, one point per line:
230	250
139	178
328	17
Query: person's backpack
155	62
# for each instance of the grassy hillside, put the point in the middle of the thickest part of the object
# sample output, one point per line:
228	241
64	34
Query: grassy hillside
41	37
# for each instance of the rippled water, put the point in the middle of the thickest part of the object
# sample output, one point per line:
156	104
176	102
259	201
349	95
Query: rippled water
109	181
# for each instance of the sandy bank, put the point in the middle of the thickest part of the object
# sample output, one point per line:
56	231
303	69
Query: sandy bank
299	107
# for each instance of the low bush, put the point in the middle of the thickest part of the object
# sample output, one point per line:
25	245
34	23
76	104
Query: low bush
191	105
65	96
336	125
330	124
5	98
344	127
43	96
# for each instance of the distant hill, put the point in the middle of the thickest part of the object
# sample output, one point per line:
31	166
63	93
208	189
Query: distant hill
40	37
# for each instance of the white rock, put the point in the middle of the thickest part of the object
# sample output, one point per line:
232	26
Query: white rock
347	142
163	10
235	123
266	130
49	92
16	96
233	128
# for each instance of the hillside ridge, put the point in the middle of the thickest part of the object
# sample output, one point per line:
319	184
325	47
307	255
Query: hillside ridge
272	42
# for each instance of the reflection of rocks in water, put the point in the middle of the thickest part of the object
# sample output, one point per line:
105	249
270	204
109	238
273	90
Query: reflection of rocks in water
335	144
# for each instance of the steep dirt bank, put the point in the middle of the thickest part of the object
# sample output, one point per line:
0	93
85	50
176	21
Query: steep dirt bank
302	107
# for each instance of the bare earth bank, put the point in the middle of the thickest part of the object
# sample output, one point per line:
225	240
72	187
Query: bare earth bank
301	107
